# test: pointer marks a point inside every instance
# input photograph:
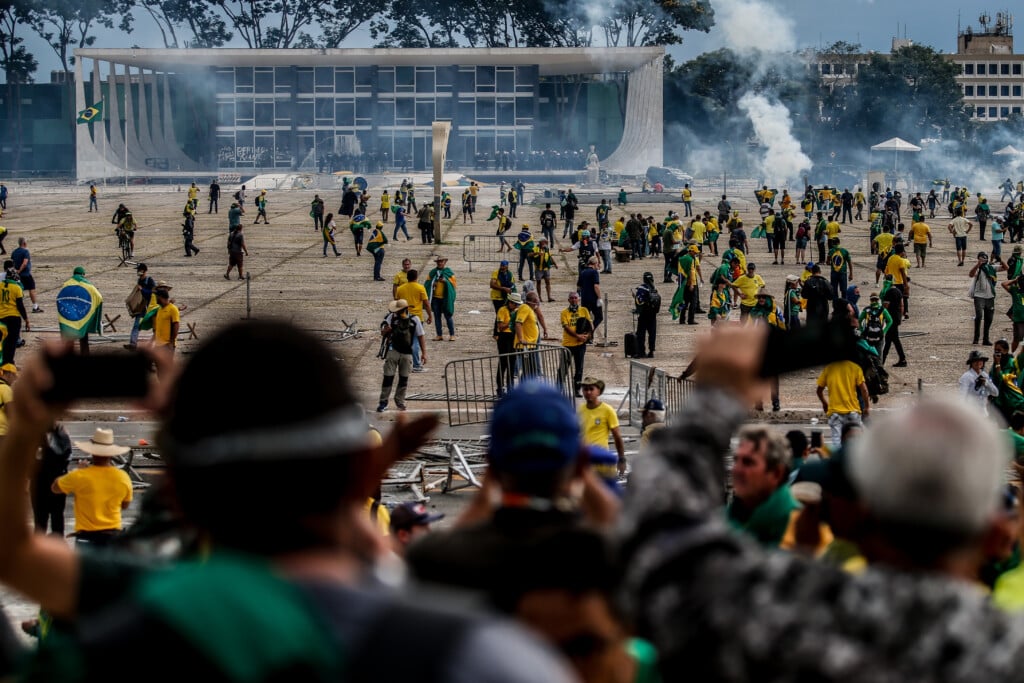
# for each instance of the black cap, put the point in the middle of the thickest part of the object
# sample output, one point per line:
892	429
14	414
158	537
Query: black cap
409	515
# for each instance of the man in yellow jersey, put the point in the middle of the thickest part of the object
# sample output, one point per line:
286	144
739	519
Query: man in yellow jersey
898	266
598	421
883	244
922	236
12	312
687	198
419	303
167	320
575	335
8	375
101	490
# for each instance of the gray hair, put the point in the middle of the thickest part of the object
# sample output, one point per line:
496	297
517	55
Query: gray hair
939	464
777	452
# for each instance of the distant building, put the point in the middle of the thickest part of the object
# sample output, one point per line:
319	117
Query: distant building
253	111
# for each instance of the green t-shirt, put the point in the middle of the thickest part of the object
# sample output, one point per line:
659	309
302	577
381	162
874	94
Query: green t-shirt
1016	304
839	260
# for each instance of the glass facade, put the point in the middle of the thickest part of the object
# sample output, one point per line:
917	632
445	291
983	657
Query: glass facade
288	117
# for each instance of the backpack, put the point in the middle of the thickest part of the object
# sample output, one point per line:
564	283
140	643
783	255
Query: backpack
238	196
547	221
653	302
876	377
400	333
874	328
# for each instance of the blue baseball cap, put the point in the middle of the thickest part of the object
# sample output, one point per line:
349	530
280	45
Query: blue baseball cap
534	429
503	263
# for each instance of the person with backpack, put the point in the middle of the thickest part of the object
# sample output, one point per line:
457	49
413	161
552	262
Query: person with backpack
375	245
821	236
648	304
397	331
548	220
841	266
569	208
875	322
819	294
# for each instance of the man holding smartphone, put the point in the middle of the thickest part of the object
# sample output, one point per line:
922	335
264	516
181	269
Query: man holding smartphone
12	311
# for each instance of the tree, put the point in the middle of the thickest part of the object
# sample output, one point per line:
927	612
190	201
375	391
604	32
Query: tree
206	28
634	23
17	62
342	20
64	24
273	23
911	93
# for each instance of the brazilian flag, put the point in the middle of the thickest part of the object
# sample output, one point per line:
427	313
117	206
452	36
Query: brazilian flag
79	308
92	113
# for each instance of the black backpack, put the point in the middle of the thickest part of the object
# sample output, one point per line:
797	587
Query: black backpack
874	328
401	333
653	302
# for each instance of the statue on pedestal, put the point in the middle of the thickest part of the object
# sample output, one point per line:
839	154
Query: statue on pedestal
593	167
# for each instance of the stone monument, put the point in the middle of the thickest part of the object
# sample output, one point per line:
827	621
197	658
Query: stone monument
593	168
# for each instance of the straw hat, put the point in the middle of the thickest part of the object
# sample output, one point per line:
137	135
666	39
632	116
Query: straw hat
398	305
102	444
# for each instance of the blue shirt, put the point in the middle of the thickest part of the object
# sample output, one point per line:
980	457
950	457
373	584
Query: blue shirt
588	278
19	256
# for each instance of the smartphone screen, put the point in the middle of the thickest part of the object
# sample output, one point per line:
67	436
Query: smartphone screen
121	375
810	346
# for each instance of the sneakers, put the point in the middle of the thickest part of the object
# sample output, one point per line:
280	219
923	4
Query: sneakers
36	309
419	369
901	364
381	407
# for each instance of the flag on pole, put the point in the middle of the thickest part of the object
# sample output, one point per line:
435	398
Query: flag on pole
92	113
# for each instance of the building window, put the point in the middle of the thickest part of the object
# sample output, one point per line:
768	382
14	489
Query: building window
1004	69
993	69
265	81
992	90
980	112
1016	110
1004	112
1004	90
981	69
992	112
1016	91
344	81
1016	69
969	90
425	80
265	114
826	69
506	80
969	69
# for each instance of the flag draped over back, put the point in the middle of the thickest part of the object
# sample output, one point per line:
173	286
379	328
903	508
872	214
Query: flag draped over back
92	113
79	308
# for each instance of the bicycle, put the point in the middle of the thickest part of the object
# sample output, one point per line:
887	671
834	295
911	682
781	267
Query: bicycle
124	244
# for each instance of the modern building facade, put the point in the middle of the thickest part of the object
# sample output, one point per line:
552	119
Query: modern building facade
196	110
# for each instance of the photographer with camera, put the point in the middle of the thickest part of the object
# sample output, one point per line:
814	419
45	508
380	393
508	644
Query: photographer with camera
983	291
975	384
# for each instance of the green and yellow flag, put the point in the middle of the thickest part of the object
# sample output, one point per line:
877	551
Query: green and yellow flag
92	113
79	308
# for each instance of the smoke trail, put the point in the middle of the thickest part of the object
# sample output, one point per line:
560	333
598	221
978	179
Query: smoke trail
752	25
784	159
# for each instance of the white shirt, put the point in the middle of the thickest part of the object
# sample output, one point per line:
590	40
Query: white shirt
960	226
971	390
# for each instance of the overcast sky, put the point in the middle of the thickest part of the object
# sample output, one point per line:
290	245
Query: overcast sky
872	23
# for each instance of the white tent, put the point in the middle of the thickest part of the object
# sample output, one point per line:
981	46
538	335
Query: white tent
1008	151
895	145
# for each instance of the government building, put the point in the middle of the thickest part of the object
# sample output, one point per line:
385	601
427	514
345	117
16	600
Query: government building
173	111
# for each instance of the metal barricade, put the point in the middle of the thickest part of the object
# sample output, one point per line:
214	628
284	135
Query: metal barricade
647	382
483	249
473	385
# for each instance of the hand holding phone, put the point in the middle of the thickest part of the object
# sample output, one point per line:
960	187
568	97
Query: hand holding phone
115	375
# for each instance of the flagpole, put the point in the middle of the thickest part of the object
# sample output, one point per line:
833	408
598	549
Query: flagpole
103	151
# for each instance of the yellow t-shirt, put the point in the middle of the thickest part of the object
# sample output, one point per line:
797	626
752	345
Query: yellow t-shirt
699	230
597	424
920	231
769	224
569	320
416	295
6	396
165	317
687	195
10	293
383	517
749	287
504	317
531	330
99	493
884	242
401	277
842	379
832	229
497	294
894	266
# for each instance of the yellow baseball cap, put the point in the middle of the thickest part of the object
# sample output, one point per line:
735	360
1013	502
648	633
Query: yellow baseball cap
9	367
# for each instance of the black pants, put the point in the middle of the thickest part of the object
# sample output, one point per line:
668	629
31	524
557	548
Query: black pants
598	314
10	345
189	247
47	508
690	306
646	327
982	222
984	309
579	354
847	213
318	221
505	378
213	206
892	338
670	258
821	252
426	232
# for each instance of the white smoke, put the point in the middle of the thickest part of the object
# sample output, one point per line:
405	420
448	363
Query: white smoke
752	25
783	159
